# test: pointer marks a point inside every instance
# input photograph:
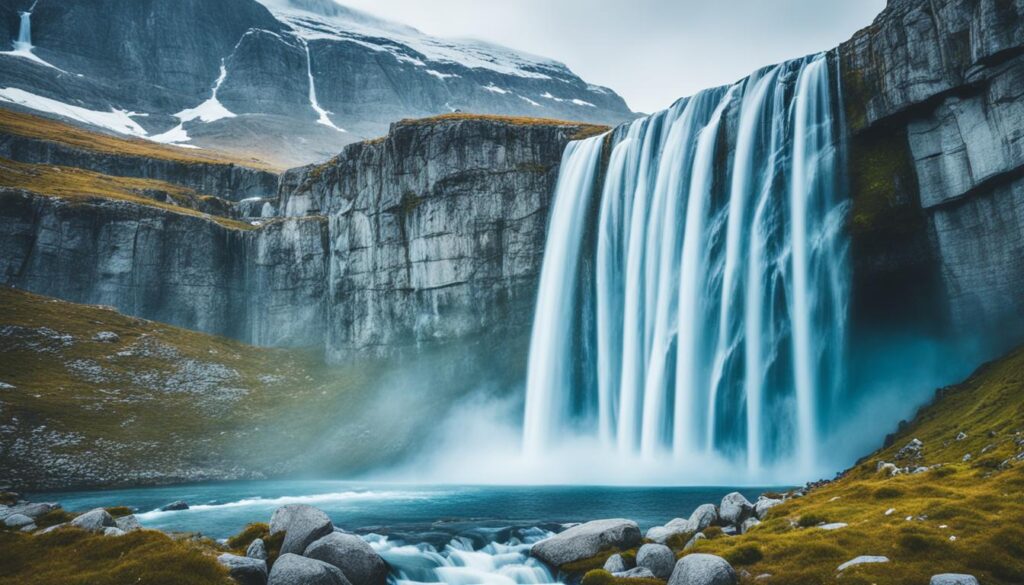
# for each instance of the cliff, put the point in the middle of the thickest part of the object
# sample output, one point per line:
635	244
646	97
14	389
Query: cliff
933	95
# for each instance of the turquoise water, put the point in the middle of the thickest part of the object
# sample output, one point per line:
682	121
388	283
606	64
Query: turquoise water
223	509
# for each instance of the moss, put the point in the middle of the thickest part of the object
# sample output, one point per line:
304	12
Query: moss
713	532
808	520
746	554
8	498
982	508
89	559
120	511
54	517
881	175
243	539
597	561
82	186
410	201
678	541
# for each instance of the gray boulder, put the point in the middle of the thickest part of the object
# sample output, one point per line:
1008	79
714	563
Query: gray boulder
587	540
106	337
693	541
257	550
18	521
245	570
128	523
175	506
911	450
113	531
96	520
657	558
705	515
953	579
734	509
764	504
291	569
702	569
302	524
356	559
616	564
635	573
748	524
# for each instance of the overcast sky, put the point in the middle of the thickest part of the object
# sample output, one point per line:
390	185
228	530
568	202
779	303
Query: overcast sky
650	51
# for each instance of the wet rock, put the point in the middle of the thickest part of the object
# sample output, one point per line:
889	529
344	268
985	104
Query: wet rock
175	506
356	559
703	569
257	550
862	560
245	570
636	573
292	569
17	521
616	564
586	541
128	523
657	558
953	579
764	504
302	524
734	509
97	520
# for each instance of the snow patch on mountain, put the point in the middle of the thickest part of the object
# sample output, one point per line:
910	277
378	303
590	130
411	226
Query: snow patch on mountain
325	19
119	121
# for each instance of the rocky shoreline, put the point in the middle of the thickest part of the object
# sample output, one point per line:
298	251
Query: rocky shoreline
302	546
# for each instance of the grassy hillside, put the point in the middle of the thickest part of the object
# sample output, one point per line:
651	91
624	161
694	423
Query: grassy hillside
159	404
39	128
959	516
78	185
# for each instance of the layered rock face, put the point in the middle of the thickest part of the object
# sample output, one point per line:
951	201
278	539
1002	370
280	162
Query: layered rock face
940	86
433	234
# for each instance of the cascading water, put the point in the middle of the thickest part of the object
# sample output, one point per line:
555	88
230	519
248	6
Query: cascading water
24	42
698	310
325	117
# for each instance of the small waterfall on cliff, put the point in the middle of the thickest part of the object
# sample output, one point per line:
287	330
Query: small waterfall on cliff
325	118
693	306
24	42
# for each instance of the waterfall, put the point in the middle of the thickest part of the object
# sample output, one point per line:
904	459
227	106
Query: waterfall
719	280
324	118
24	42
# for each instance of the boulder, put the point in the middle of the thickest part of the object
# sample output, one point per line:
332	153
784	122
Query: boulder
748	524
96	520
764	504
587	541
302	524
911	450
693	541
734	509
635	573
705	515
862	560
953	579
616	564
291	569
245	570
702	569
113	531
128	523
18	521
657	558
257	550
175	506
356	559
833	526
106	337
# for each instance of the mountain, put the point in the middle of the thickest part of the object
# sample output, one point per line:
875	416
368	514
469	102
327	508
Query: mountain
288	81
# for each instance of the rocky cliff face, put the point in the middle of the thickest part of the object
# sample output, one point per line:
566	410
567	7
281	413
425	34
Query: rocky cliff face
935	96
430	235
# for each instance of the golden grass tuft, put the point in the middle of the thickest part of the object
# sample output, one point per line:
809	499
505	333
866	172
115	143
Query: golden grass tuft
144	556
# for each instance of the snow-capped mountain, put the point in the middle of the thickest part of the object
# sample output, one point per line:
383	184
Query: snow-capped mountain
286	80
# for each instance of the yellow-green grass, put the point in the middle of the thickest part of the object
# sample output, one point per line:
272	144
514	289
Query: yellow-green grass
80	186
75	557
139	399
586	130
964	517
39	128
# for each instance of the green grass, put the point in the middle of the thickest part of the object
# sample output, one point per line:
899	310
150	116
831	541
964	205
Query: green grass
980	503
76	557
